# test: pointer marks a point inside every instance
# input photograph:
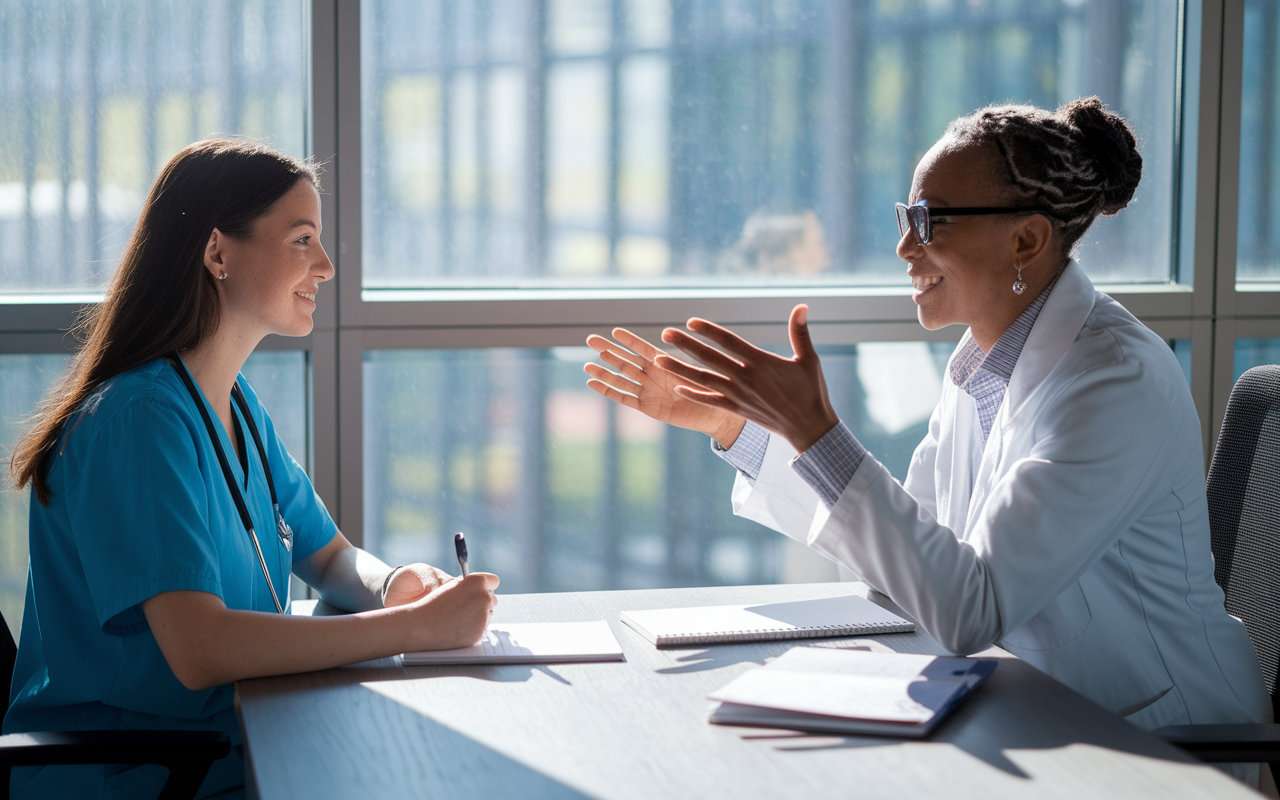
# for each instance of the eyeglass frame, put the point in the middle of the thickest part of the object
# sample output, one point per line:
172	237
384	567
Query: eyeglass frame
907	220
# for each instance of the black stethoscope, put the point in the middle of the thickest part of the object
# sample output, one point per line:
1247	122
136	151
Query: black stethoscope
282	528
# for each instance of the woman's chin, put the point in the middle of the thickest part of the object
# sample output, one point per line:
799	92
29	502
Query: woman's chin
298	328
929	320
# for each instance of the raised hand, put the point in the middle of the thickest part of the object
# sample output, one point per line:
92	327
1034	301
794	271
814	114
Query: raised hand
785	395
640	384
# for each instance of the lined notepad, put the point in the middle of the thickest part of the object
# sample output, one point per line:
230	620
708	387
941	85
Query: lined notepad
531	643
850	691
802	619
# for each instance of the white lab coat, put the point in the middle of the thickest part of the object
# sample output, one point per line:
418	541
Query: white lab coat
1077	539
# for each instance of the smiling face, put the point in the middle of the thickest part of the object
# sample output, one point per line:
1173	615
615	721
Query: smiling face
273	275
965	274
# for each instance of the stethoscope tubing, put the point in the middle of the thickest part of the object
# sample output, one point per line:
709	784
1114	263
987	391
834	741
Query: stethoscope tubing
238	395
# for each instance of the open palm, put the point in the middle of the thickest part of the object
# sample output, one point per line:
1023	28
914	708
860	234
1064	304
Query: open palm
641	384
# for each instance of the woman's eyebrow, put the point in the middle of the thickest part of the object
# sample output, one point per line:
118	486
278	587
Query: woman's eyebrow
303	223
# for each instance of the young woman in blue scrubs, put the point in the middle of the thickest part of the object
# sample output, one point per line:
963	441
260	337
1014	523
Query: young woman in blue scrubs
147	596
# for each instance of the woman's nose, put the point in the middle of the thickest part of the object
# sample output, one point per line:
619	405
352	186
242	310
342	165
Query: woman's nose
326	268
908	245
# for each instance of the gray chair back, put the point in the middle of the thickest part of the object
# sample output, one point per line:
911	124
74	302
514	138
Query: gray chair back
1244	512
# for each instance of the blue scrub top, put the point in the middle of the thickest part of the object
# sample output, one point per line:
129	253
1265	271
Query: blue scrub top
140	506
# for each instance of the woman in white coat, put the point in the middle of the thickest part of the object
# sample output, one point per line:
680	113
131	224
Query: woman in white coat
1057	505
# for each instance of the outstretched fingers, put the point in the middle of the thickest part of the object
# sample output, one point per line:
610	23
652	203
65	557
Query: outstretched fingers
708	355
600	386
605	347
631	370
703	379
619	382
729	341
640	345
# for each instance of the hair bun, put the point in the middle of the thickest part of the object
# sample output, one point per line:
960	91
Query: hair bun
1109	143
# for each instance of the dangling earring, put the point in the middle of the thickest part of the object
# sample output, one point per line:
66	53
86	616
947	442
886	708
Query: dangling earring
222	276
1019	286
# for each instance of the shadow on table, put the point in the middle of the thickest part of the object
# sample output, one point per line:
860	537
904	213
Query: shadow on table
390	749
500	673
989	724
729	655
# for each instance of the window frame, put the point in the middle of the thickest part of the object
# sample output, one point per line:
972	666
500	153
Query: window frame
1203	304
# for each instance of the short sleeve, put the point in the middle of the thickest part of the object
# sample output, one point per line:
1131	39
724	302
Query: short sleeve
138	511
300	506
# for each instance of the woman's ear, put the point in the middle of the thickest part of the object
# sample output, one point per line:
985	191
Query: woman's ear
1032	238
215	255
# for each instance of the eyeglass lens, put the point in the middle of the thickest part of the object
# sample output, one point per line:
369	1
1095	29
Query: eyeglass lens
916	217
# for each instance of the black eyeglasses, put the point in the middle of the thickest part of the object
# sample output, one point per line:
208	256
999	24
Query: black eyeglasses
919	217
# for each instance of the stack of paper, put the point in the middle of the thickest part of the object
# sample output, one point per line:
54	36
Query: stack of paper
850	691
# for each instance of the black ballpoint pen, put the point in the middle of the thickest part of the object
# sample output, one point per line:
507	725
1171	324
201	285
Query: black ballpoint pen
460	544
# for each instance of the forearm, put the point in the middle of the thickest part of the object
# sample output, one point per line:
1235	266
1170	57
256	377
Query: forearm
353	580
208	644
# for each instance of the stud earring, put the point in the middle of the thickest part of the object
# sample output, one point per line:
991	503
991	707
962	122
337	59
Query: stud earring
1019	286
222	276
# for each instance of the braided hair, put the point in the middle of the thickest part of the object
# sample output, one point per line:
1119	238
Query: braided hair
1077	162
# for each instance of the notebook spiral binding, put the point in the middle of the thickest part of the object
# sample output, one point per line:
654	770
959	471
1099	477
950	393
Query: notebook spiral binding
778	634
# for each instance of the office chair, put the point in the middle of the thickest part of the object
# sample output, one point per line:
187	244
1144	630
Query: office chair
1244	528
187	754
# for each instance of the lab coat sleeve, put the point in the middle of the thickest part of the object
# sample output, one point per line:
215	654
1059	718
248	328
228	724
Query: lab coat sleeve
1043	523
779	498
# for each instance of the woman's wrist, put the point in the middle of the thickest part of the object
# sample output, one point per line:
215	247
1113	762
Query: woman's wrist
728	431
386	583
803	437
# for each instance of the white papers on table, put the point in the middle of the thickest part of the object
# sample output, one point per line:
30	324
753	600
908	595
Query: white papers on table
850	691
531	643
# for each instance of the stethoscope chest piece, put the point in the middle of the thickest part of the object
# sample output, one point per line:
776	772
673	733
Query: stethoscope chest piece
283	530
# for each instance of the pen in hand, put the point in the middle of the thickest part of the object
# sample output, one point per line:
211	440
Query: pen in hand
460	544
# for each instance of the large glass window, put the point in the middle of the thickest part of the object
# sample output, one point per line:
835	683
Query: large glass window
1250	353
98	96
588	142
25	380
282	382
1258	227
563	490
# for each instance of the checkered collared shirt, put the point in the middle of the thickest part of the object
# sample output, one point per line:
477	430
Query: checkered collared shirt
831	462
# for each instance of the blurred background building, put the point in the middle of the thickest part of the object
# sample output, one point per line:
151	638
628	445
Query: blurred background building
559	165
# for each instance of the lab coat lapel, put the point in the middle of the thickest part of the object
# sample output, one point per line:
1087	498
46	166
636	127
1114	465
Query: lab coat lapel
959	453
1057	326
1059	322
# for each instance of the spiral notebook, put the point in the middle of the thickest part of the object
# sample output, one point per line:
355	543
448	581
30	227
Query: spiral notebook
802	619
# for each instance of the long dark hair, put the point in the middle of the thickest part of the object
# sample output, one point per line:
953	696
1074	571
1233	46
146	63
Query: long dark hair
161	298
